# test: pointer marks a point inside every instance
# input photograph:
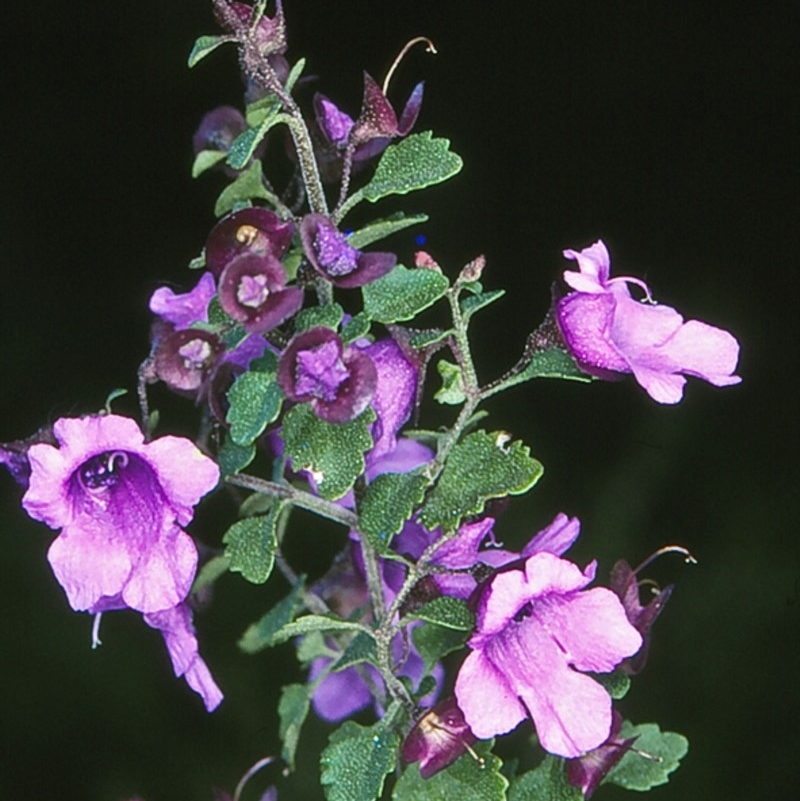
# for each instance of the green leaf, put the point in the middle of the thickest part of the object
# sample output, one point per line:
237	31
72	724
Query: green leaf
333	453
309	623
356	762
292	711
260	635
617	683
473	303
248	185
214	568
412	163
356	327
380	229
360	649
428	337
390	500
403	293
294	74
255	401
547	782
244	146
203	46
553	363
252	544
434	642
205	160
328	316
232	457
261	109
312	646
467	779
452	389
481	467
448	612
662	753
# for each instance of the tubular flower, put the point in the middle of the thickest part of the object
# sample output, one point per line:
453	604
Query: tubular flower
338	381
338	261
538	629
186	309
608	333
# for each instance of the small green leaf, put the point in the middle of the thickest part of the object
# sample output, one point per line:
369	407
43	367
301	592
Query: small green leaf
203	46
214	568
467	779
312	646
244	146
356	327
255	401
452	389
480	467
259	110
357	760
360	649
434	642
249	184
328	316
252	544
428	337
448	612
473	303
412	163
292	711
294	74
333	453
380	229
390	500
232	457
403	293
261	634
662	753
309	623
617	683
547	782
553	363
205	160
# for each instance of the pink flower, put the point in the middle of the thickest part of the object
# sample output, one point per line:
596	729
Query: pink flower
537	630
120	504
608	332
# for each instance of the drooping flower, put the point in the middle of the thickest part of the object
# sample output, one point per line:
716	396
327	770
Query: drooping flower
438	738
335	259
185	309
184	360
537	631
378	119
338	381
120	504
253	291
217	132
255	231
609	333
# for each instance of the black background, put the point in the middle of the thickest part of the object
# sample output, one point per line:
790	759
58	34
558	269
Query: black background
669	130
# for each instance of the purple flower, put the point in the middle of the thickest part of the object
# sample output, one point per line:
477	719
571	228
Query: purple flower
335	259
378	119
588	771
253	291
338	381
176	628
184	360
183	311
537	629
438	738
254	231
218	128
608	332
269	33
120	503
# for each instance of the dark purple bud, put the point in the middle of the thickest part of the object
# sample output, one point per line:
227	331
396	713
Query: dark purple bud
438	739
378	119
252	290
334	123
338	261
218	129
339	382
255	230
587	772
184	359
269	33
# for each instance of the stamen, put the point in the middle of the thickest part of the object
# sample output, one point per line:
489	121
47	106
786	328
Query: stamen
262	763
96	642
627	279
688	558
429	48
246	234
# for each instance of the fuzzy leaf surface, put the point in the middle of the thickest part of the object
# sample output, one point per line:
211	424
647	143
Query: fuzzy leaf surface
451	391
329	316
255	401
480	467
292	711
310	623
361	649
261	634
247	186
413	163
547	782
434	642
380	229
251	545
203	46
637	772
553	363
466	779
333	453
451	613
390	500
403	293
356	762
